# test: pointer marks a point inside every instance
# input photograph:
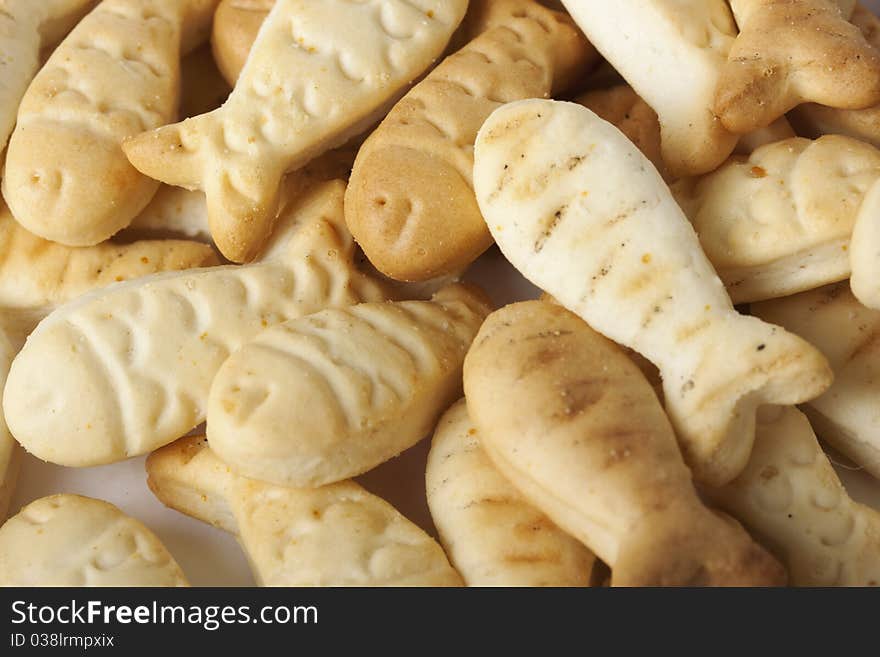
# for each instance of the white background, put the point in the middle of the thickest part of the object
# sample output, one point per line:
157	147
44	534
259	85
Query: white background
211	557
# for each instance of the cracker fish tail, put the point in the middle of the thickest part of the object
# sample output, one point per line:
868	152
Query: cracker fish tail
177	155
575	206
743	364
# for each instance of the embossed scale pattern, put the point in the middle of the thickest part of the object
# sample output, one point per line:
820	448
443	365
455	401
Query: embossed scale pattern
442	115
705	25
336	535
358	57
337	347
135	362
791	497
68	540
129	45
590	221
289	534
332	395
211	312
35	272
303	87
422	153
115	75
848	334
780	222
493	536
751	212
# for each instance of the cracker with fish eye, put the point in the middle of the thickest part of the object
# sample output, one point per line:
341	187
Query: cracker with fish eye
37	275
318	74
115	75
121	371
70	540
410	202
782	220
568	418
332	395
336	535
582	214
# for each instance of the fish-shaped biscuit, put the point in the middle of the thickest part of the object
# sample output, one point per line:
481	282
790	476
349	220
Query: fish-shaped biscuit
332	395
848	333
410	203
791	498
27	28
318	74
336	535
121	371
672	53
792	52
492	534
781	221
570	420
116	75
585	216
70	540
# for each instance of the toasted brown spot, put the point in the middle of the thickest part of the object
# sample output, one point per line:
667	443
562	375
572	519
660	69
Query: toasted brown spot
497	501
526	558
770	472
637	283
539	359
689	332
538	524
550	225
580	395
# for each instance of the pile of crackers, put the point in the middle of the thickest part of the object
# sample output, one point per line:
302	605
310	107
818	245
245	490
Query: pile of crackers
234	236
